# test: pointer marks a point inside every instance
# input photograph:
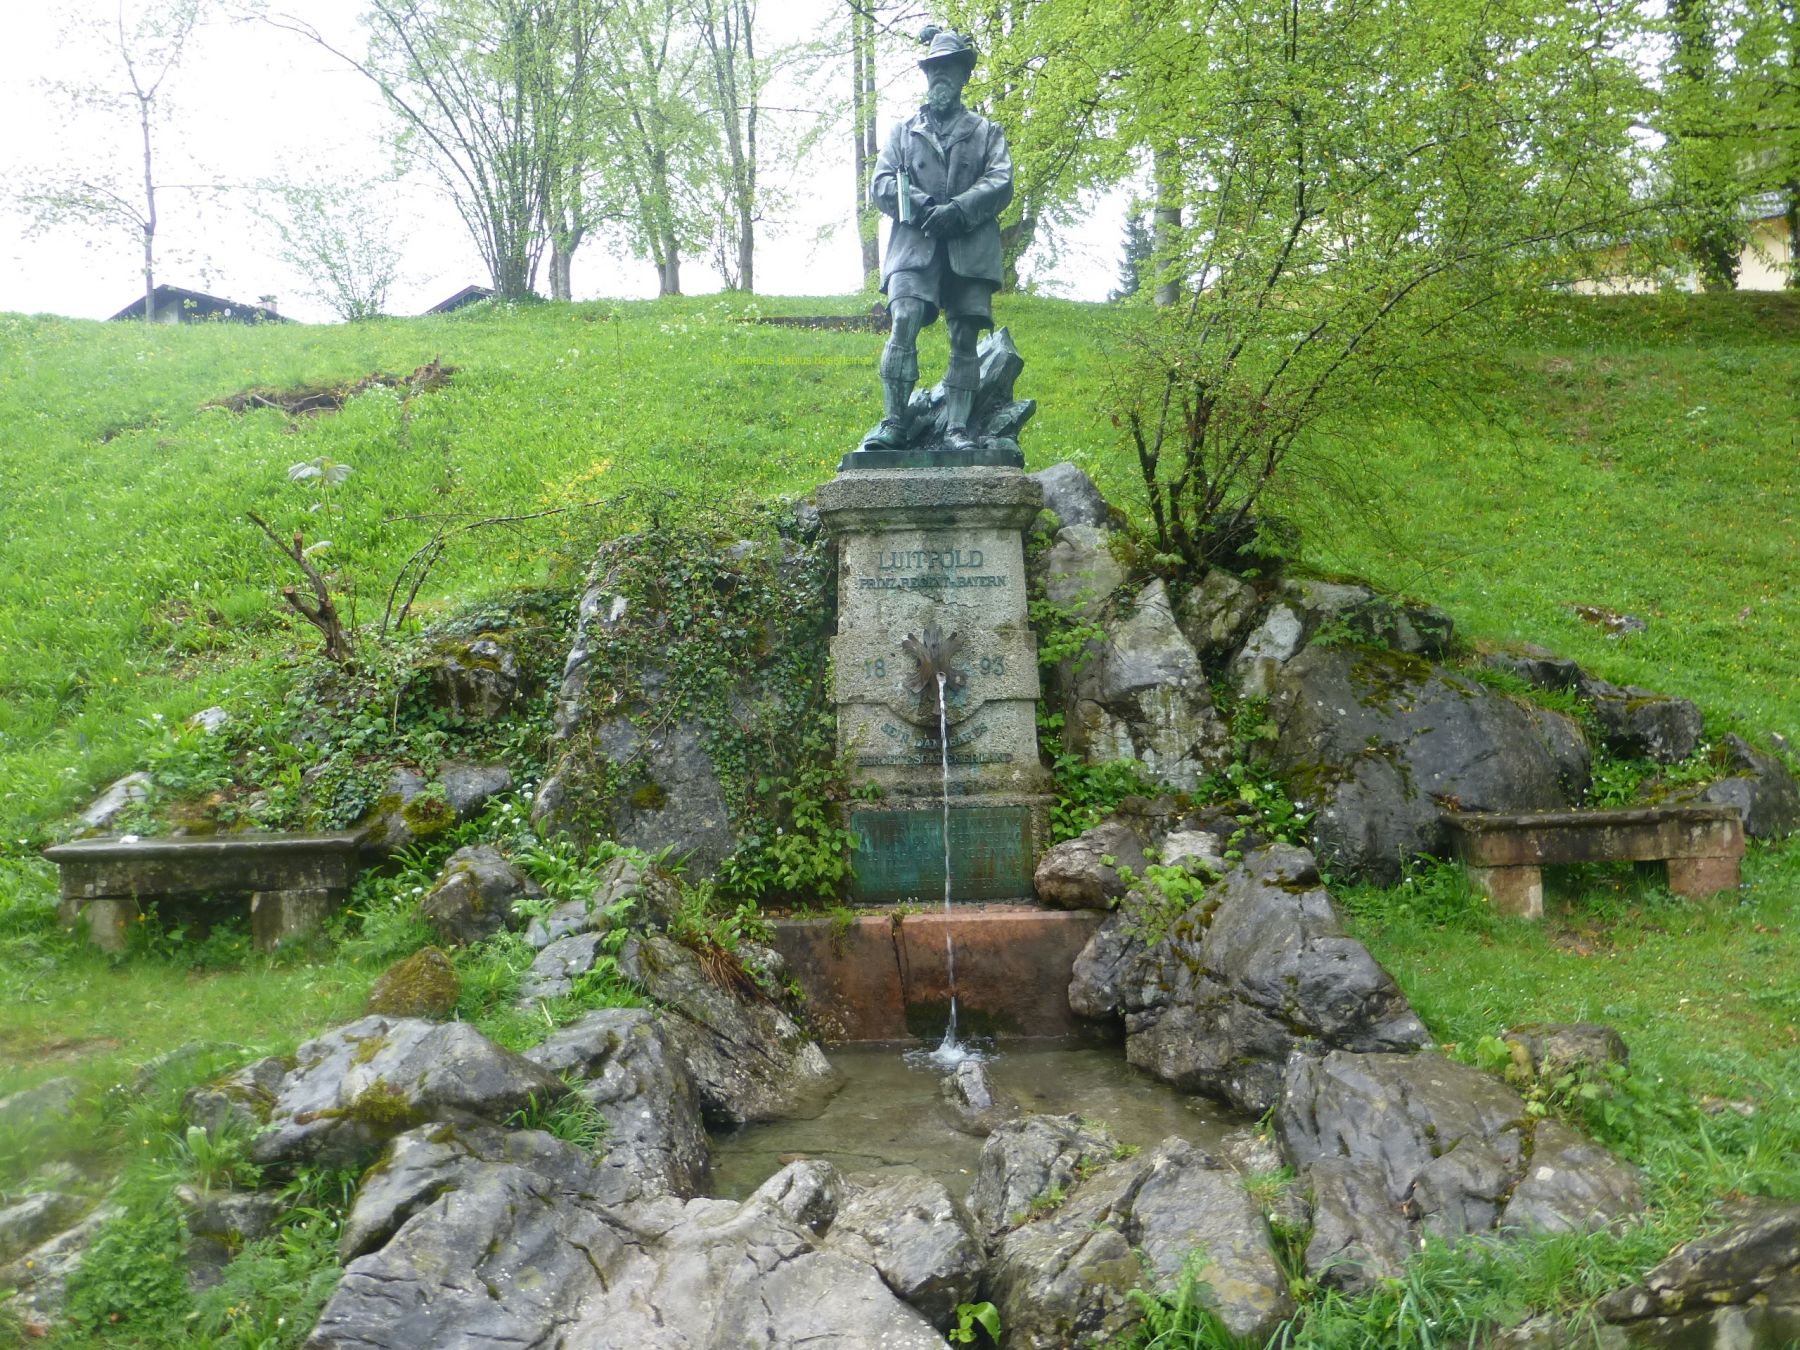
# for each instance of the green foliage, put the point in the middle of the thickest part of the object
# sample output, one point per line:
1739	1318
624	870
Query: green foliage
1086	793
571	1117
1185	1319
1432	893
219	1161
134	1275
273	1290
974	1320
1161	897
1063	634
1635	782
803	852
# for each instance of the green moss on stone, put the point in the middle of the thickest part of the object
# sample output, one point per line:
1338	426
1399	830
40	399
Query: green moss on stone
428	814
650	797
383	1106
424	984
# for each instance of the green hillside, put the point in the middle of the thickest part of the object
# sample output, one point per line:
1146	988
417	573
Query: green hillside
1635	454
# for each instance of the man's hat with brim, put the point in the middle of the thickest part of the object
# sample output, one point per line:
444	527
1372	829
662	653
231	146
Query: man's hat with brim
947	48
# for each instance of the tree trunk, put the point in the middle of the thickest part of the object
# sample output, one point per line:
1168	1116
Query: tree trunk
1793	229
149	216
560	259
668	278
1706	180
1166	226
1015	238
863	142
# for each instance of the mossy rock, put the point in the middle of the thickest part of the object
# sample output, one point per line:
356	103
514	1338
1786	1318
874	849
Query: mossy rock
424	984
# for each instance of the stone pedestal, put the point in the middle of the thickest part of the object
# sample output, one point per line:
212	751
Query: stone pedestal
938	549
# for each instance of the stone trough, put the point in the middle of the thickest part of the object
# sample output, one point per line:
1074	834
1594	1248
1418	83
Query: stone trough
884	976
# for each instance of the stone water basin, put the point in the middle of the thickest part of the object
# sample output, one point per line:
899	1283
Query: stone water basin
888	1118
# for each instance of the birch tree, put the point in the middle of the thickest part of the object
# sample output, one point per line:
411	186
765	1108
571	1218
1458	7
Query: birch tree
148	41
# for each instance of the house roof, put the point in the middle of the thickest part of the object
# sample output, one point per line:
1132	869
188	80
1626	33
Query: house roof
468	295
201	305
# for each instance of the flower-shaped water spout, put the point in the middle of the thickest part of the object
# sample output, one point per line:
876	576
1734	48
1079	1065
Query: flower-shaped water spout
932	655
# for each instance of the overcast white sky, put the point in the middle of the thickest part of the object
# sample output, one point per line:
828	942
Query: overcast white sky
252	103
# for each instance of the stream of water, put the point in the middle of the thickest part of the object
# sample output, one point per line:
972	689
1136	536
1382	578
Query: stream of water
950	1051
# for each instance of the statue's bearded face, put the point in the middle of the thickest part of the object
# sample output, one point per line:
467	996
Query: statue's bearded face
943	86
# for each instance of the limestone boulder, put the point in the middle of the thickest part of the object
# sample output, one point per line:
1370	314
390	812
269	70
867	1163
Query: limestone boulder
476	679
423	1164
1570	1185
354	1088
717	1276
1378	744
749	1059
621	1060
1271	645
1145	696
807	1192
631	753
470	786
678	801
553	973
474	896
1537	666
39	1277
920	1240
1025	1160
35	1219
1071	494
644	897
100	814
1359	612
1215	615
1063	1278
472	1237
1399	1146
240	1101
1084	872
1762	789
1552	1049
1216	999
1642	724
1080	572
1739	1286
1360	1234
220	1223
48	1101
411	810
972	1103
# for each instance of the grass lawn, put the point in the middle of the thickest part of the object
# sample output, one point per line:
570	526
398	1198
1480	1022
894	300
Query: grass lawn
1639	454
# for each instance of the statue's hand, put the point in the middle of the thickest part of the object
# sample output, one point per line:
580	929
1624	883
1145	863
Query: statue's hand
942	221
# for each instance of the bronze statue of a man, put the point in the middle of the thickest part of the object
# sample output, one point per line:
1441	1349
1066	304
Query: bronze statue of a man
944	176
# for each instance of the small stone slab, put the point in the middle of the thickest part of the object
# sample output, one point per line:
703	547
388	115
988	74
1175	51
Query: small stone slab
294	880
1502	853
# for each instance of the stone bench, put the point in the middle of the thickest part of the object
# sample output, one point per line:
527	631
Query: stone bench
1502	853
293	880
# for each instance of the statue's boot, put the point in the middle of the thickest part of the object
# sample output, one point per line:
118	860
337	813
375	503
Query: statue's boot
959	402
899	373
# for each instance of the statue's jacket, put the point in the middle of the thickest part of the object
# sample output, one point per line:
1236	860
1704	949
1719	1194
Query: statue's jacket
969	165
